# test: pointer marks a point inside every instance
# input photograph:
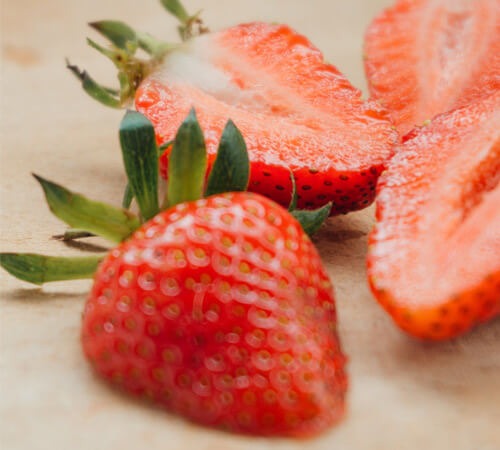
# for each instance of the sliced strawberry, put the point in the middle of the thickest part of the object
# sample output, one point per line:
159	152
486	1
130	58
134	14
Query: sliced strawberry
434	258
295	111
426	57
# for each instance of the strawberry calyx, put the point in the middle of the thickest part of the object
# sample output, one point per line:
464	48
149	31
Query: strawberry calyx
39	269
186	182
190	25
125	42
109	222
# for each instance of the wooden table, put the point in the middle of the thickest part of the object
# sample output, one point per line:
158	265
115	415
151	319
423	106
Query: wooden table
403	395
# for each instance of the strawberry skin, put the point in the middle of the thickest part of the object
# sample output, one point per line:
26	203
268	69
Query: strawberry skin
425	57
221	311
434	255
296	113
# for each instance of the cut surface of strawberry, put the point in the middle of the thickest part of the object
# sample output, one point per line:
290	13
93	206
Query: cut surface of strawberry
220	310
295	112
425	57
434	256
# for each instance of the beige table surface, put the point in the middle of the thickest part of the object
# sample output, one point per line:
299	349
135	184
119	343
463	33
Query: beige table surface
404	394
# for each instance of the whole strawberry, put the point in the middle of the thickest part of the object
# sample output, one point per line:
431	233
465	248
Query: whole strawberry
220	310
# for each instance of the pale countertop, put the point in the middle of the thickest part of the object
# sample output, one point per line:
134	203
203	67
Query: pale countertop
403	395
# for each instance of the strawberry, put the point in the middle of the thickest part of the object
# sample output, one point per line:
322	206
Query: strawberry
433	259
221	310
425	57
217	308
296	112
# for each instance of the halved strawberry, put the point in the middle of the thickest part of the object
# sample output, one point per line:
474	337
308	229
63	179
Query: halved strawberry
434	255
295	111
426	57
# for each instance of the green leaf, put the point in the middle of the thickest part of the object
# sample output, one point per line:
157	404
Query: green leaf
104	51
311	220
119	33
95	217
154	47
231	169
128	196
175	8
140	156
39	269
187	163
104	95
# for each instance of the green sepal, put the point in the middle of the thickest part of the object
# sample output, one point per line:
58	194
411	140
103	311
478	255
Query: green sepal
191	25
79	212
231	169
39	269
311	220
154	47
118	33
111	54
176	8
128	196
106	96
187	163
140	157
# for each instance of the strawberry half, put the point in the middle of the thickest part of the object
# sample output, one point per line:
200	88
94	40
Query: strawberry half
425	57
221	311
434	255
296	112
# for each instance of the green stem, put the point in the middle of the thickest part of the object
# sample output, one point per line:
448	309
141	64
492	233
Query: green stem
39	269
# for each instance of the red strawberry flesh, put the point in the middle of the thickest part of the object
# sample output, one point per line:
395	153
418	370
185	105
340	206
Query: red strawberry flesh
221	311
295	111
434	259
426	57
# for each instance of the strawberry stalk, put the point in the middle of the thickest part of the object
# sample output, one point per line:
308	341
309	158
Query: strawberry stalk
124	43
